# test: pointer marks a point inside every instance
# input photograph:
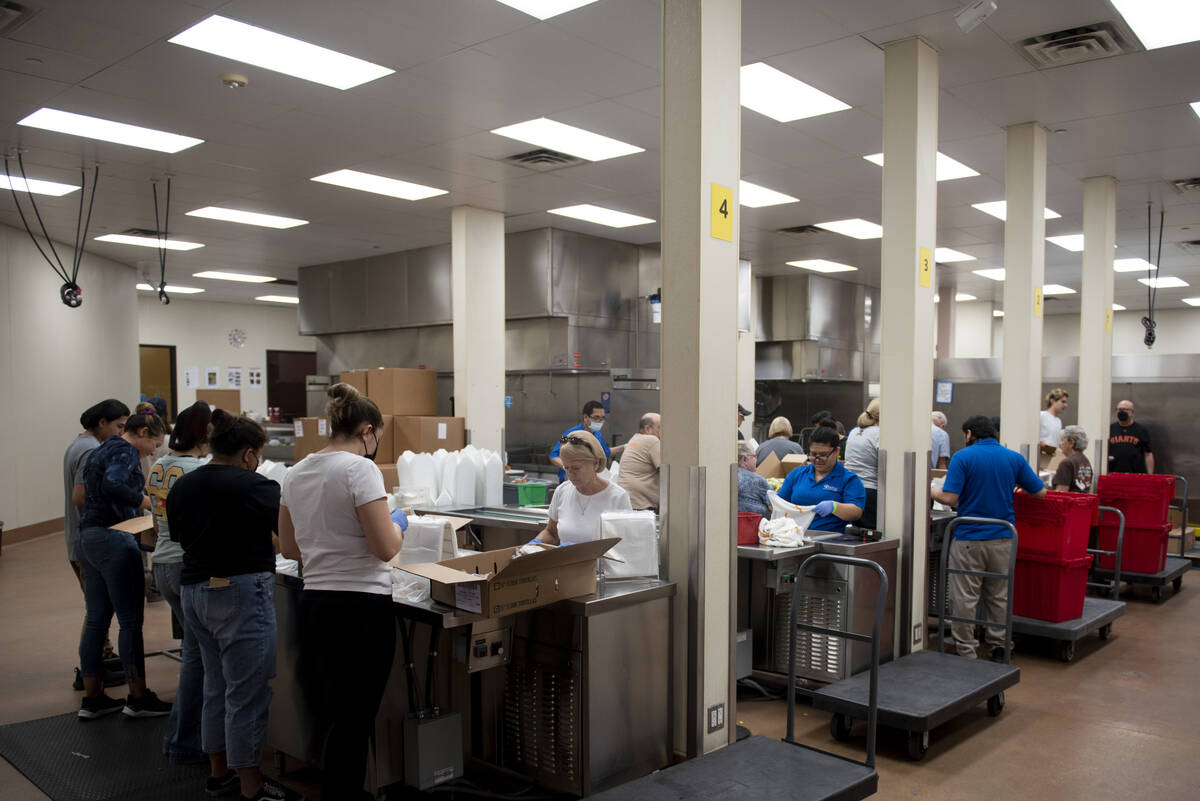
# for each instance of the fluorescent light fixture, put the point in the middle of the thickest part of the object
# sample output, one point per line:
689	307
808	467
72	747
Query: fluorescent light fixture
1057	289
278	299
601	216
945	168
1196	108
756	196
229	38
52	119
35	186
997	312
545	9
567	139
781	97
1192	301
366	182
859	229
1161	23
949	256
149	242
963	297
1118	307
178	290
1132	266
1164	282
993	273
999	210
1071	242
246	217
245	278
822	266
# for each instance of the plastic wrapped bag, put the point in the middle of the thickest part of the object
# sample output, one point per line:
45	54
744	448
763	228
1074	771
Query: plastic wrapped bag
427	539
803	515
636	555
780	532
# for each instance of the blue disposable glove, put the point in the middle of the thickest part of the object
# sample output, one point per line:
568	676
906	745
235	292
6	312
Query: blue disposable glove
400	519
824	508
564	544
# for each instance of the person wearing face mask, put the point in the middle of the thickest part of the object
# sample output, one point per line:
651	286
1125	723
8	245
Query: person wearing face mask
111	564
1129	448
223	514
334	520
593	422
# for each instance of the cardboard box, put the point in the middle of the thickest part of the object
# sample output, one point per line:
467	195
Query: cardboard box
142	529
427	434
773	467
387	443
228	399
792	461
391	478
402	391
356	379
493	584
312	434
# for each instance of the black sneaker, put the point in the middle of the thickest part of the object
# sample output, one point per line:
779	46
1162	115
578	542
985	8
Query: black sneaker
222	785
998	654
273	791
148	706
98	707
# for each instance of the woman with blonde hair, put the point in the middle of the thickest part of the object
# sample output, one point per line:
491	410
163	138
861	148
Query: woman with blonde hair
579	501
779	441
862	458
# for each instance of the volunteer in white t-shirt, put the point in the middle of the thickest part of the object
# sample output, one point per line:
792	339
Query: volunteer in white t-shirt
579	501
334	520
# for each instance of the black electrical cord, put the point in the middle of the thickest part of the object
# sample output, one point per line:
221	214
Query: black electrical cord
25	222
61	269
1148	322
86	223
161	232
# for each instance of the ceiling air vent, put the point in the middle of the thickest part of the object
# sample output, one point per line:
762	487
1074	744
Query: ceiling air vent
544	159
1186	185
1190	246
141	232
1076	45
13	16
801	230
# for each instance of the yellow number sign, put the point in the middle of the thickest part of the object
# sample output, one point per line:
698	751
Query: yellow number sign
722	212
1037	301
925	267
1108	321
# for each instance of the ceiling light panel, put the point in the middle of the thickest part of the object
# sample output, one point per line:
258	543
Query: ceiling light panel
949	256
1164	282
229	38
781	97
945	168
1132	266
601	216
1196	108
1071	242
756	196
1118	307
278	299
545	9
567	139
378	184
999	210
245	278
1057	289
1192	301
246	217
822	266
993	273
179	290
149	242
1161	23
36	187
963	297
859	229
52	119
997	312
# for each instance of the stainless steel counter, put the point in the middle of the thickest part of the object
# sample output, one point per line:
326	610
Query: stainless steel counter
760	553
496	526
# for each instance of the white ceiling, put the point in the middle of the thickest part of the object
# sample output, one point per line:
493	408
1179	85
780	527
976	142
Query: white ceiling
464	67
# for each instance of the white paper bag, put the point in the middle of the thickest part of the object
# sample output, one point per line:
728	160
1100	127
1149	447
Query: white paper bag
637	553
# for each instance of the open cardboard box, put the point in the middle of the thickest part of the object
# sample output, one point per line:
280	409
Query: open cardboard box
142	529
773	467
493	584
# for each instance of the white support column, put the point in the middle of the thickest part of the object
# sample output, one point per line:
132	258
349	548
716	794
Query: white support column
701	129
746	351
1095	317
907	282
1024	274
947	319
477	304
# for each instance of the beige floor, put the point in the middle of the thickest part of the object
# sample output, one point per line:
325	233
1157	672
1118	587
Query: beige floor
1120	722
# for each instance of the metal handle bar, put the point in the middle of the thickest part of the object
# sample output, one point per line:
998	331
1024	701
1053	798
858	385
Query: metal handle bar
1115	587
943	569
1184	514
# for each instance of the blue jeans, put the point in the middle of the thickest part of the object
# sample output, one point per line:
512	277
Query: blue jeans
181	742
113	581
234	625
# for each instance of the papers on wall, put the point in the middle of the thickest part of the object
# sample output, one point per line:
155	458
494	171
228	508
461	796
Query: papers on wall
233	377
212	377
254	376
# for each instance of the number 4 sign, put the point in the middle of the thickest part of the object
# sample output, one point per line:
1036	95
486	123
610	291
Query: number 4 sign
722	212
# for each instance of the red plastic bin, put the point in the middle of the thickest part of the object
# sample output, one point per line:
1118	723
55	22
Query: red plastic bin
1144	550
1143	498
1055	527
1051	591
747	533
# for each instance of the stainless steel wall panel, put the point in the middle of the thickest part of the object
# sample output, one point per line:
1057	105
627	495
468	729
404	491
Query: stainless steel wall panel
427	295
536	344
527	274
348	295
386	287
591	276
783	308
598	348
835	313
835	364
313	291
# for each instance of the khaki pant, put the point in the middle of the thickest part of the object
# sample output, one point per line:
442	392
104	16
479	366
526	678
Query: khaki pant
987	555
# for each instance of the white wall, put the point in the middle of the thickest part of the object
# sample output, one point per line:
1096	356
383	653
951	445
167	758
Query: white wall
973	330
56	362
199	330
1178	332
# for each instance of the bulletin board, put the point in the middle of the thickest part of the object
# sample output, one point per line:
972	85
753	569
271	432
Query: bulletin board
228	399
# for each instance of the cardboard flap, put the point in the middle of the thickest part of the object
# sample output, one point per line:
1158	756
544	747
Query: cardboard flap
556	557
435	571
768	467
135	525
456	523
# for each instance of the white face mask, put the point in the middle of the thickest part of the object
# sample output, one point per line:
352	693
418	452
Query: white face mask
595	427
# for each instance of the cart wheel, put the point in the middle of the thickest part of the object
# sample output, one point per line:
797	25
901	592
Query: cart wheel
1066	650
1177	583
996	704
918	744
839	727
1105	630
1156	594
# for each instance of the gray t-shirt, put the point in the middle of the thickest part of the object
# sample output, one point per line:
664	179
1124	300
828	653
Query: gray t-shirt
862	455
74	461
161	478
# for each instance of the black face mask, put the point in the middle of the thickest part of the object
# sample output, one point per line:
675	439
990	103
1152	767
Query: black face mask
1123	416
372	454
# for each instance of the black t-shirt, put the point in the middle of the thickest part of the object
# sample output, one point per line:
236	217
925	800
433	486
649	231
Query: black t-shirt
1127	448
224	516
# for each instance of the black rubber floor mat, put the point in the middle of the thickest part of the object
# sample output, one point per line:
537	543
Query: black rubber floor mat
99	760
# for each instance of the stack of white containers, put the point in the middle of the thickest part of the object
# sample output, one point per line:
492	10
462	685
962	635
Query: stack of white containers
469	477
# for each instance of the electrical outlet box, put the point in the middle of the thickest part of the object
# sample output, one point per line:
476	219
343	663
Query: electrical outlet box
716	718
432	750
916	633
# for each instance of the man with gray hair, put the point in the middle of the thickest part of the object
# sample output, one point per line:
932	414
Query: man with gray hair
1074	473
638	475
939	453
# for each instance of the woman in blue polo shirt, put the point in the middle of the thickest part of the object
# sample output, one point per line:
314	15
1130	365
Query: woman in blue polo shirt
824	482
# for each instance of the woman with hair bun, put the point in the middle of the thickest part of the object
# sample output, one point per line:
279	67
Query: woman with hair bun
223	514
862	458
334	520
836	492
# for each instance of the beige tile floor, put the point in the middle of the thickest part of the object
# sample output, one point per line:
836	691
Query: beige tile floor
1121	722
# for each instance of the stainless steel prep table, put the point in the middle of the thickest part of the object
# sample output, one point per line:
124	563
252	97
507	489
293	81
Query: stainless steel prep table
496	526
762	573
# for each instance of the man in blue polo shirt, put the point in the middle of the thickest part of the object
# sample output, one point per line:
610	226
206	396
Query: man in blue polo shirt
593	421
980	483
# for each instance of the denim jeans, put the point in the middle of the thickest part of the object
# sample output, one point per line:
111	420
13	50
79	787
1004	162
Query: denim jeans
234	625
181	742
113	581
